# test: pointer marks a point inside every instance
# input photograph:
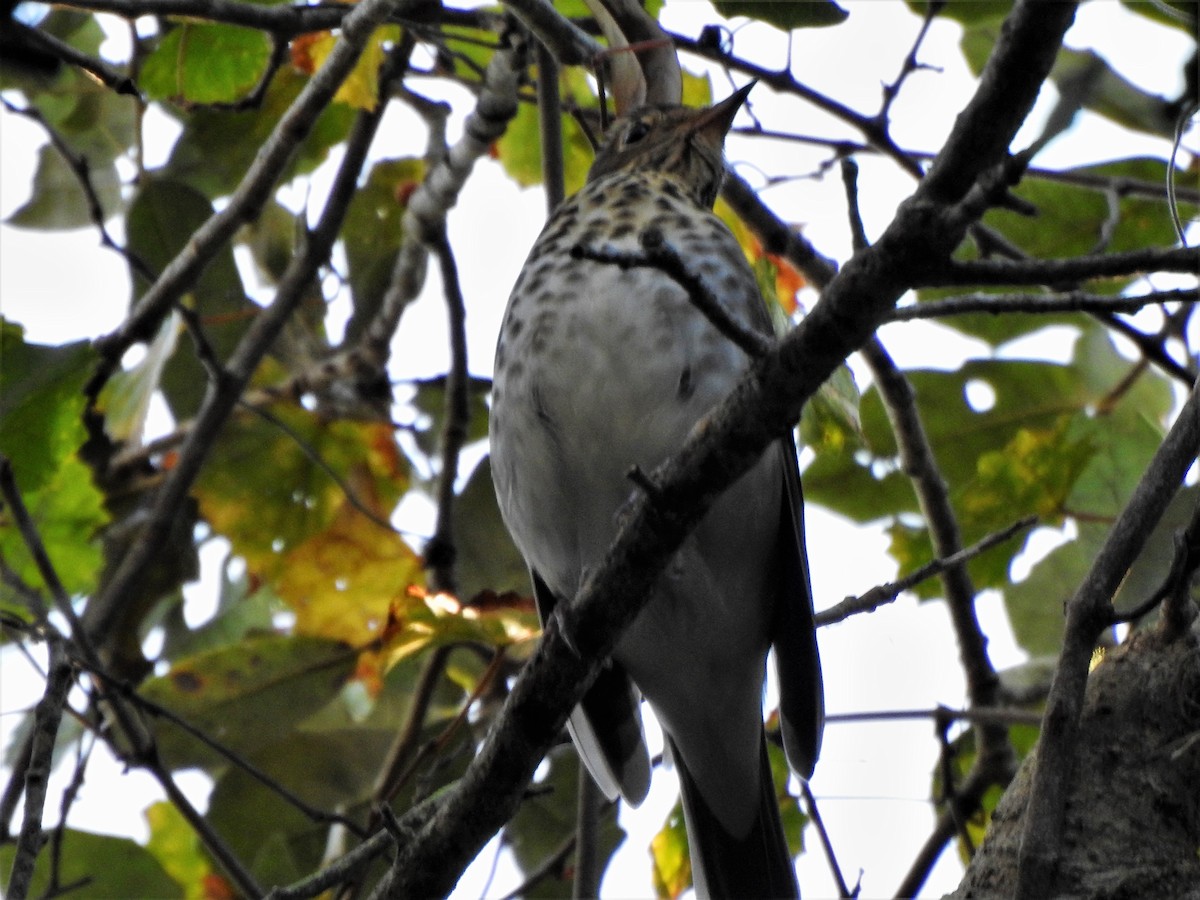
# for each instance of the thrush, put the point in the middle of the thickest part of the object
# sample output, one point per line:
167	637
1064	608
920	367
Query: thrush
601	368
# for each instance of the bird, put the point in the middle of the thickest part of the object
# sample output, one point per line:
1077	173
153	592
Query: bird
601	370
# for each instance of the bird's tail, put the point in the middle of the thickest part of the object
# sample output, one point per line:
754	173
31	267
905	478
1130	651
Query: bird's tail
725	867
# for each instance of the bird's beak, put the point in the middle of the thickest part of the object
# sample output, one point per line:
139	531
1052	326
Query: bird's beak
714	122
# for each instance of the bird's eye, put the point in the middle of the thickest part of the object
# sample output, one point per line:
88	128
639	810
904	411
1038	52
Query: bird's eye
636	132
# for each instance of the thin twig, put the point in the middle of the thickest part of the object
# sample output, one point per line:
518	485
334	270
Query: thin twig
918	462
37	774
11	495
252	193
911	63
814	814
1063	271
387	784
1038	304
550	127
440	551
96	68
886	593
224	395
990	715
337	872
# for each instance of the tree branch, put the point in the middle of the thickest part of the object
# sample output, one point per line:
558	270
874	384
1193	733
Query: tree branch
1039	304
46	720
440	551
425	216
886	593
1088	612
1062	271
252	193
223	395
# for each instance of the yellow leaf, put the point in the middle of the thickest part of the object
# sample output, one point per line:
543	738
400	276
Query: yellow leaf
420	620
669	858
341	581
176	847
361	87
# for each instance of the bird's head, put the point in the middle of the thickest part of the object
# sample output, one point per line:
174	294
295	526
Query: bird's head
685	143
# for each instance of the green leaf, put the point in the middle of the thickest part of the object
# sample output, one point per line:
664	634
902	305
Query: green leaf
1086	76
519	150
58	201
174	843
670	858
785	16
41	402
967	12
372	233
1035	606
104	868
200	62
162	219
125	399
1179	14
830	421
217	147
430	403
41	430
263	490
246	695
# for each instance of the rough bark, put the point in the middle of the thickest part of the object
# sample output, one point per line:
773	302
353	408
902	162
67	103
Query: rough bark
1132	826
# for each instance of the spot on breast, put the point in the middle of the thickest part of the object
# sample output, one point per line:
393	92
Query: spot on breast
687	385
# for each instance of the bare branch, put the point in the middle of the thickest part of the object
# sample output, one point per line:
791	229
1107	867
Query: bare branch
224	395
1039	304
1063	271
425	216
252	193
440	551
570	45
45	730
886	593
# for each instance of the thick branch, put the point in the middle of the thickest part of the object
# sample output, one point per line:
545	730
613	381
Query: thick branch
1088	612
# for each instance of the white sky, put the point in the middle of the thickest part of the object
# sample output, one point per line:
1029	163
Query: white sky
872	780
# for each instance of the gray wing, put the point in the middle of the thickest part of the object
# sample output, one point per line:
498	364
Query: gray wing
794	638
606	726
